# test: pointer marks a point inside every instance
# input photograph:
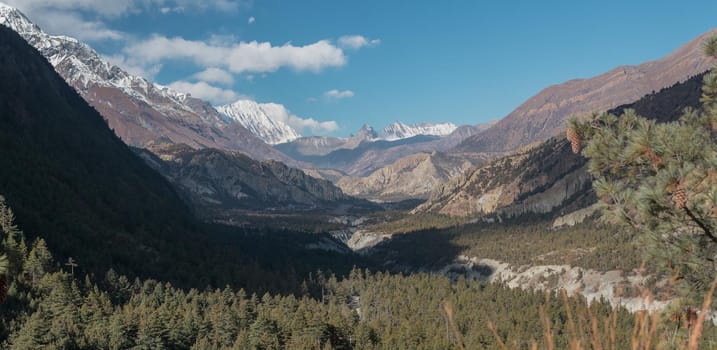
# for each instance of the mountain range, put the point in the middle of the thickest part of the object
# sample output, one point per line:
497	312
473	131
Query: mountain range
73	182
396	163
139	112
541	117
547	176
544	115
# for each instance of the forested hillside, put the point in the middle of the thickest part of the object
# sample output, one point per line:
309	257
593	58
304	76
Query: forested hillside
71	181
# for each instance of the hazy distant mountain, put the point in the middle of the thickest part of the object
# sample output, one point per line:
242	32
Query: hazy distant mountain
262	119
137	110
367	151
544	115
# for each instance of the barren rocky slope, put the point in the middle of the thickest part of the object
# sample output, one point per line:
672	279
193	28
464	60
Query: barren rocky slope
411	177
213	178
546	176
544	115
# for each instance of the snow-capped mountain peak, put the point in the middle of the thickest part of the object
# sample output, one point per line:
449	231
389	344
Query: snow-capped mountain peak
83	68
264	120
13	18
139	111
399	130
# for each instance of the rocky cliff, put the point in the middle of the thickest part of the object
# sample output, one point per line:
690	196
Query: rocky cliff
229	180
411	177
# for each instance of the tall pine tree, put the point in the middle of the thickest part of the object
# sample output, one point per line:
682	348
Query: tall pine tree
660	179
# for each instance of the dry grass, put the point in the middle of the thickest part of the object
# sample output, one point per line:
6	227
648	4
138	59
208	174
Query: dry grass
586	331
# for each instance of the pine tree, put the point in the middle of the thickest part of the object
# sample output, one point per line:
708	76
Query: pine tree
660	179
12	248
38	262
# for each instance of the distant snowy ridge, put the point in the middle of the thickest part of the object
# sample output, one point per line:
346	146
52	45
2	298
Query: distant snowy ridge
262	119
399	130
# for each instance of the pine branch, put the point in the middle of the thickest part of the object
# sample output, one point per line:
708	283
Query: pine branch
699	223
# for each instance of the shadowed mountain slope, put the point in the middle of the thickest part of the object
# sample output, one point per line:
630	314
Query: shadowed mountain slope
546	176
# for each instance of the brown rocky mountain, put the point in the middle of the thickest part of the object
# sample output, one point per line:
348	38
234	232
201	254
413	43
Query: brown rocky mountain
411	177
544	115
215	179
545	177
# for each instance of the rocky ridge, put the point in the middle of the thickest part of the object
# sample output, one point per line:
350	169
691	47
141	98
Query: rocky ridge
546	176
411	177
139	112
213	178
544	115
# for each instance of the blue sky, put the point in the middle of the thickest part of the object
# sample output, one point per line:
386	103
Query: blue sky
339	64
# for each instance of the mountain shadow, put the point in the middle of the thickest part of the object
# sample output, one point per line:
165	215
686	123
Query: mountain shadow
73	182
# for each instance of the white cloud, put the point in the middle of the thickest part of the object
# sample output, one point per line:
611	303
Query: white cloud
63	22
207	92
166	10
338	94
147	72
251	20
86	19
357	41
103	8
240	57
279	112
215	75
116	8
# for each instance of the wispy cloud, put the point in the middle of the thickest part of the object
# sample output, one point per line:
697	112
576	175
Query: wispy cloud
121	61
215	75
207	92
87	20
357	41
338	94
312	125
251	20
72	24
116	8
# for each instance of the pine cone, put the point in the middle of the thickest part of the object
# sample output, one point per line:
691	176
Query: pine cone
574	139
652	156
679	197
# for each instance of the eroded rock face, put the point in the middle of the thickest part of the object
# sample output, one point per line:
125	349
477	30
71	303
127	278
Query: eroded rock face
576	217
537	180
362	241
593	285
232	180
544	115
411	177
